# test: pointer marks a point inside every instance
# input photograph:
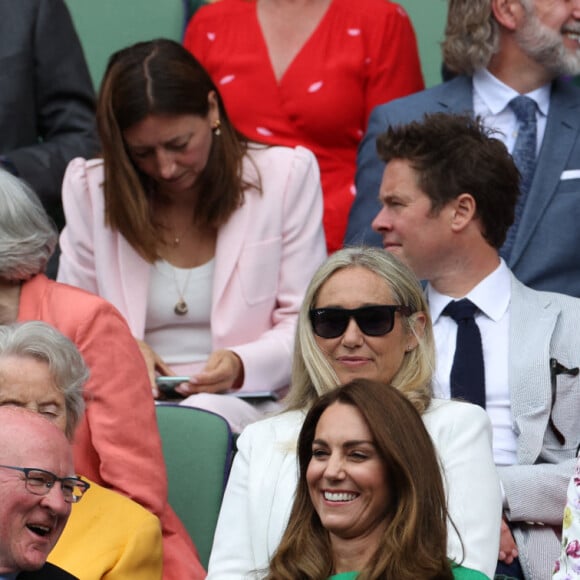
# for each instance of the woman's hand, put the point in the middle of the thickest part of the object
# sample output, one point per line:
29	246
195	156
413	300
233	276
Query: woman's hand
154	364
508	551
223	371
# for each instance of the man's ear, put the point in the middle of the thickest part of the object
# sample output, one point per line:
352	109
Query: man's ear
508	13
464	211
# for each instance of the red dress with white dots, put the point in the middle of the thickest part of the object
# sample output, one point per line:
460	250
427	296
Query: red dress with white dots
362	54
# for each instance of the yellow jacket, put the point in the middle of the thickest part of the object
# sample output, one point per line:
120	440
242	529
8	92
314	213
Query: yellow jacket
109	536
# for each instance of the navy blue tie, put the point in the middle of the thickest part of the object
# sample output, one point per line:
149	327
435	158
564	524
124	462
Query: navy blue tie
467	373
524	155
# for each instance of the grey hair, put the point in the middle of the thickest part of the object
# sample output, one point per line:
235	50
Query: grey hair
471	36
27	235
42	342
312	374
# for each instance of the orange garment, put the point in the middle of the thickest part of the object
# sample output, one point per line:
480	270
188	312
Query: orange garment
117	444
363	53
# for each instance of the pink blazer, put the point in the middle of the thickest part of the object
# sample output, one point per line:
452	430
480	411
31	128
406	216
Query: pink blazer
265	256
116	443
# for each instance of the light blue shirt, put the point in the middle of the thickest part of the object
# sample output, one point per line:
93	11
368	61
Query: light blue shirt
491	100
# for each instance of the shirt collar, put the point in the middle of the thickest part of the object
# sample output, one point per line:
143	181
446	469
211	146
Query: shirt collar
492	295
496	95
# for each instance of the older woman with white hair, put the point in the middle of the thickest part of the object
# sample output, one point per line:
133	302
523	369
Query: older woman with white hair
108	536
364	316
117	443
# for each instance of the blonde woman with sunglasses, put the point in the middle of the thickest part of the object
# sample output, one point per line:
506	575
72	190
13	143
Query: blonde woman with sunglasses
364	316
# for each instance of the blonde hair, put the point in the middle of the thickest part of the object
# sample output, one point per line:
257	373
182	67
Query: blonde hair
312	374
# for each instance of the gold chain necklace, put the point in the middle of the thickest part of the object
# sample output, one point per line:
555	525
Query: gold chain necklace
178	237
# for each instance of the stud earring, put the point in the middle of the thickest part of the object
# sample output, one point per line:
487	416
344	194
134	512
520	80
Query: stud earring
217	128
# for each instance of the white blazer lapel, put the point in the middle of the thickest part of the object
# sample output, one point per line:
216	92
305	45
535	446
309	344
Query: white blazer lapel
533	318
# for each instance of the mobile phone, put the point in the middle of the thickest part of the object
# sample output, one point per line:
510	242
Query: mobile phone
257	396
166	385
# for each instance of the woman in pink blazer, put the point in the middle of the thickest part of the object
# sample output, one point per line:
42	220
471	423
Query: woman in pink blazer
203	241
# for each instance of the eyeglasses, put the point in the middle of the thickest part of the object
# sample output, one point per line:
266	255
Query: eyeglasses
40	482
372	320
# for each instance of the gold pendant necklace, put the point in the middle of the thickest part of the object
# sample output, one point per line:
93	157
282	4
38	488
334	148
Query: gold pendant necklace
181	308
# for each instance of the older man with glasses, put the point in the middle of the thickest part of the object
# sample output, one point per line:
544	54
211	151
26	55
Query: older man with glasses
37	488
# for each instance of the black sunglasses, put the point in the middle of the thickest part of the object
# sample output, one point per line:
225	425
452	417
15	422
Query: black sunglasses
372	320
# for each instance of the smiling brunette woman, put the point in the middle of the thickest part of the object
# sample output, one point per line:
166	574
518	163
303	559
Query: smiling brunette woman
370	502
204	241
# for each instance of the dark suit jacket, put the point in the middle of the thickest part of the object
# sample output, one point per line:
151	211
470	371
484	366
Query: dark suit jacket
47	572
46	94
546	252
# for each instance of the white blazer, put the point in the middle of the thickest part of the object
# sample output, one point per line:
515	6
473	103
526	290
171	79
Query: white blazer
260	490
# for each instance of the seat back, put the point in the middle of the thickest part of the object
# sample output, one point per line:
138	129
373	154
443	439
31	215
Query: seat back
105	26
197	447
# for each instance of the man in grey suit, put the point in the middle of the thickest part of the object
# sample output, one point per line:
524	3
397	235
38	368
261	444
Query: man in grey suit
448	196
46	96
502	49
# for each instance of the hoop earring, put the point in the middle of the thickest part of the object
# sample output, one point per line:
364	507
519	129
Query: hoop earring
217	128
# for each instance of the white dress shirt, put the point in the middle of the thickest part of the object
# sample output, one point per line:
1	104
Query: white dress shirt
491	100
492	296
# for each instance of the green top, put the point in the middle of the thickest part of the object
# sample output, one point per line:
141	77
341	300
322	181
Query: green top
459	573
462	573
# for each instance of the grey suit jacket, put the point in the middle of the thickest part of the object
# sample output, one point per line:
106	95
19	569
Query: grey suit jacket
46	94
546	252
543	326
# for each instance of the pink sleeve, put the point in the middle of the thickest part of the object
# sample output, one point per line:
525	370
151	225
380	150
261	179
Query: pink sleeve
77	260
303	250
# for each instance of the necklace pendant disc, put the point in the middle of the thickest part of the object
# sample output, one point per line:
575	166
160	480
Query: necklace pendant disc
180	308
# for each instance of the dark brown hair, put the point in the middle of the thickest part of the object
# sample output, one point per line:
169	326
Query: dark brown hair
414	542
160	77
455	154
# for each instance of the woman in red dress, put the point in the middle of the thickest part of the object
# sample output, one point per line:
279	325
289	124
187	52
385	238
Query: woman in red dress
309	73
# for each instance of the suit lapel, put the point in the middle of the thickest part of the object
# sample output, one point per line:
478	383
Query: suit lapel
457	96
533	316
561	132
